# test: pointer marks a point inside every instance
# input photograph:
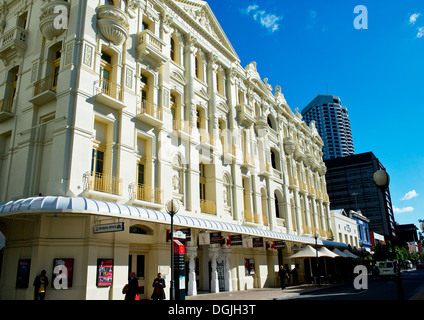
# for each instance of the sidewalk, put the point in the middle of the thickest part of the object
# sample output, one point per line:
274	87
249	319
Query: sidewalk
260	293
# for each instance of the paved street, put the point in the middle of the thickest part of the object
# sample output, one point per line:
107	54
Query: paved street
378	289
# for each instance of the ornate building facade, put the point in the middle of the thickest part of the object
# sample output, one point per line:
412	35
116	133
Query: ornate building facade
131	104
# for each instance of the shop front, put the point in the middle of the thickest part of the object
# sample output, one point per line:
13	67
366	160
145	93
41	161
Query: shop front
98	243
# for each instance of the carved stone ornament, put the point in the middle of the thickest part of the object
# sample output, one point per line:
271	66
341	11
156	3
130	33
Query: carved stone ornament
289	146
49	27
113	24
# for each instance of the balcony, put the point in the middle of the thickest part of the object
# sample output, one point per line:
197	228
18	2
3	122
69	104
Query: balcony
248	160
109	93
12	43
150	113
146	193
102	183
245	114
48	17
150	47
182	127
207	206
265	169
6	109
44	90
113	24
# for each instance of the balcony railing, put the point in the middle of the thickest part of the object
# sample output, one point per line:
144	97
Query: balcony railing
102	183
150	113
6	105
182	125
207	206
147	193
150	46
13	42
43	85
110	89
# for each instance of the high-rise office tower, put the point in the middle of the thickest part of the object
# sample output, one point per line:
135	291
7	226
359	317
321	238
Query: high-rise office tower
333	125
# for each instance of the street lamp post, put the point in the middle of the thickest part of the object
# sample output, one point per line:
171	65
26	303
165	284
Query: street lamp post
316	249
382	180
172	207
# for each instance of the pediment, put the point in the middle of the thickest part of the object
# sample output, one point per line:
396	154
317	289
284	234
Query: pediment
202	14
203	94
178	78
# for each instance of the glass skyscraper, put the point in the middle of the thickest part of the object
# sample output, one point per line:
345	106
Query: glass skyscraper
333	125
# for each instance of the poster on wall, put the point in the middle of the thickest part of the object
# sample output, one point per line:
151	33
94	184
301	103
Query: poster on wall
104	272
22	277
249	266
63	268
204	239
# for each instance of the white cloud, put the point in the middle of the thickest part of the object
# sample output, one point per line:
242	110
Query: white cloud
410	195
413	18
420	32
268	20
402	210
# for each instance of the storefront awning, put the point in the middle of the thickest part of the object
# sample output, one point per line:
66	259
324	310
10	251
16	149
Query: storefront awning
57	205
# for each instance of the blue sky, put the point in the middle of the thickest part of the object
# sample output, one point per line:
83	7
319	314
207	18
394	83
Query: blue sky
305	46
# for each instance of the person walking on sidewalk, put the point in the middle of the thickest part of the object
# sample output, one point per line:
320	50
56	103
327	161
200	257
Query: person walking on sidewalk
283	276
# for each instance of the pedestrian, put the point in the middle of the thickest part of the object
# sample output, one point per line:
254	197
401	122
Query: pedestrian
295	275
131	289
288	274
158	285
283	276
40	286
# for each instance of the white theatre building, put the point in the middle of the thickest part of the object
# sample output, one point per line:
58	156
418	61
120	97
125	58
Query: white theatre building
131	104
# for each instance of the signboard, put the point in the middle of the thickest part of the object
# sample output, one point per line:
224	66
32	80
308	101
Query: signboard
104	272
179	235
215	237
258	242
22	277
279	244
112	227
236	240
64	269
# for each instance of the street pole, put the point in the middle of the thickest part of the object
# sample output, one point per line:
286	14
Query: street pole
316	249
172	207
382	180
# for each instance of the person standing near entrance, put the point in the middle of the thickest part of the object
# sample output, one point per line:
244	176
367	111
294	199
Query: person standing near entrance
158	285
132	289
283	276
295	275
40	286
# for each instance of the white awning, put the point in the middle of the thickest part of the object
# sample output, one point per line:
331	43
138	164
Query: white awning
306	252
81	205
327	253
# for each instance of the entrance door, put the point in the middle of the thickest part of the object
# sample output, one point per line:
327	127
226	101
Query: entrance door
137	264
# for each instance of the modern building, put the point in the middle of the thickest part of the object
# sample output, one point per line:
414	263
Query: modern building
332	122
111	108
350	185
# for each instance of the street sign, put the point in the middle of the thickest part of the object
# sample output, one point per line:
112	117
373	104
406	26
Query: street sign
179	235
111	227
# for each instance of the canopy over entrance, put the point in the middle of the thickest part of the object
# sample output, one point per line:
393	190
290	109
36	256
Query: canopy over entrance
81	205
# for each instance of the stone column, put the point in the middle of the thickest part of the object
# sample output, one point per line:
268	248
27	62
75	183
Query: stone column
192	285
213	255
227	275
